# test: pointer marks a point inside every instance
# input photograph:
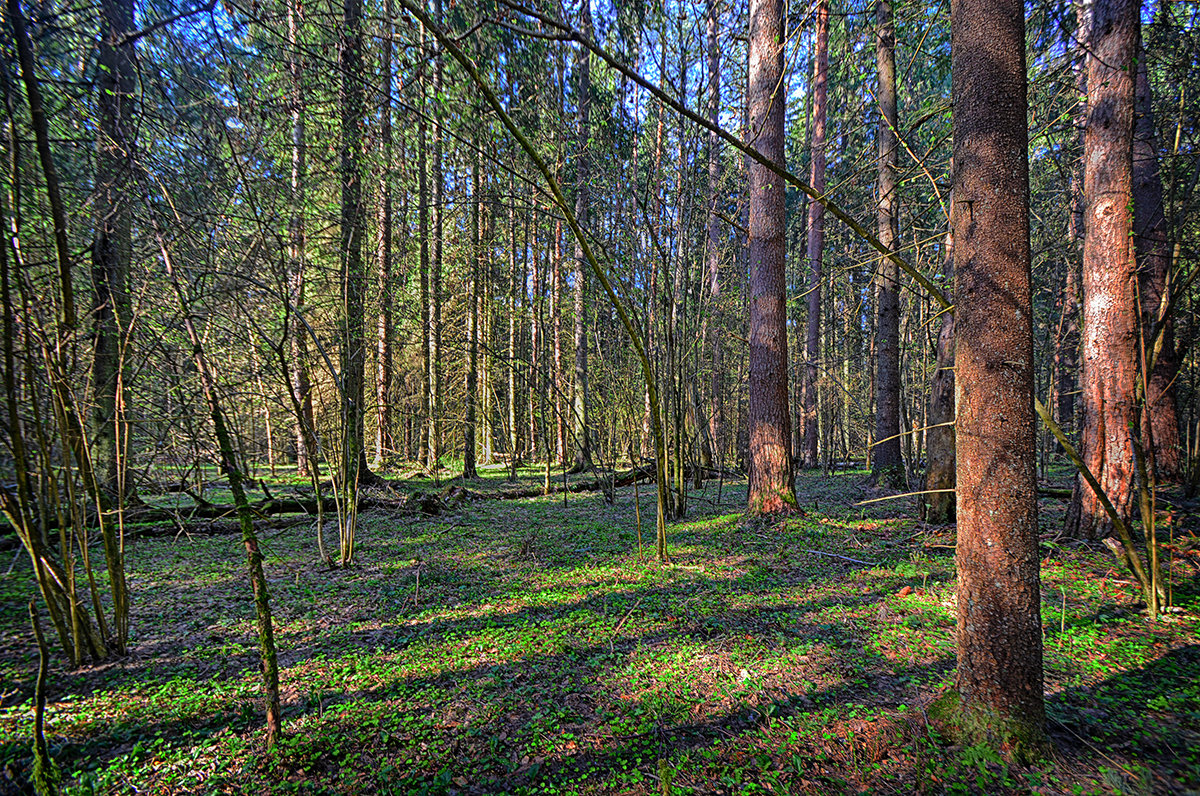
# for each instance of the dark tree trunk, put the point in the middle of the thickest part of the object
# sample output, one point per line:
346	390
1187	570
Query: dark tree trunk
816	232
112	242
1160	420
1110	311
772	483
383	347
887	462
999	619
939	473
469	469
435	278
423	442
350	246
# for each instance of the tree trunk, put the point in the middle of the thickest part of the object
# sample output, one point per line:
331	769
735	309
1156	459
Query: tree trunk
582	458
299	382
939	436
887	462
435	279
716	416
816	233
383	348
423	443
1110	311
469	469
999	683
772	484
1160	420
350	246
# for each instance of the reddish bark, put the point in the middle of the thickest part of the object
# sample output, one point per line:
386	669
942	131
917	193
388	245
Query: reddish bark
772	483
999	639
816	232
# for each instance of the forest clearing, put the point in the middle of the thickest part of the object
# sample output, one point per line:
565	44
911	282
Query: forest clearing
523	646
599	396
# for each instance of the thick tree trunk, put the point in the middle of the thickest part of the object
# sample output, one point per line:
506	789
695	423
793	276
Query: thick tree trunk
112	243
999	682
582	457
350	246
1160	420
887	462
816	232
1110	314
435	279
772	483
384	444
423	443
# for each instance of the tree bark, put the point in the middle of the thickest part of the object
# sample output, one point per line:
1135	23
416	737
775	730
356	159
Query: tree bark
999	641
939	473
582	457
423	443
1160	420
469	468
384	444
1110	311
772	483
887	462
716	417
816	232
435	279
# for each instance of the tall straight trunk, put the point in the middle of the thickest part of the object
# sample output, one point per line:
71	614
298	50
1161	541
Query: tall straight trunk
1160	420
423	444
112	243
999	640
300	383
350	245
816	232
533	381
1066	352
582	457
435	280
514	272
469	469
887	462
383	348
1110	310
772	482
560	436
716	412
939	473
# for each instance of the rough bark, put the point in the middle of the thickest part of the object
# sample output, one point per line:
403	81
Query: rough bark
1160	420
939	472
1110	311
472	380
716	416
772	483
423	267
582	455
887	464
999	641
299	381
437	196
816	232
384	444
112	240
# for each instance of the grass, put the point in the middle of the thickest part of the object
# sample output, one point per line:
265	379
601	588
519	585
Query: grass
521	646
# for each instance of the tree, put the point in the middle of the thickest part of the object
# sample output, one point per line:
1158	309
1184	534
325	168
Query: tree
582	459
887	465
772	483
816	231
1110	309
999	643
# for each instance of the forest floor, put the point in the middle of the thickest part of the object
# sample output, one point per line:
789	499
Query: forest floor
524	646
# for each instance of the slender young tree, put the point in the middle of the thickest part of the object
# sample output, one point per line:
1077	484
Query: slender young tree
472	379
1110	309
999	684
383	328
816	231
939	472
712	252
772	483
887	463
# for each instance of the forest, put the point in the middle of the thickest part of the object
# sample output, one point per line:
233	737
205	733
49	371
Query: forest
599	397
